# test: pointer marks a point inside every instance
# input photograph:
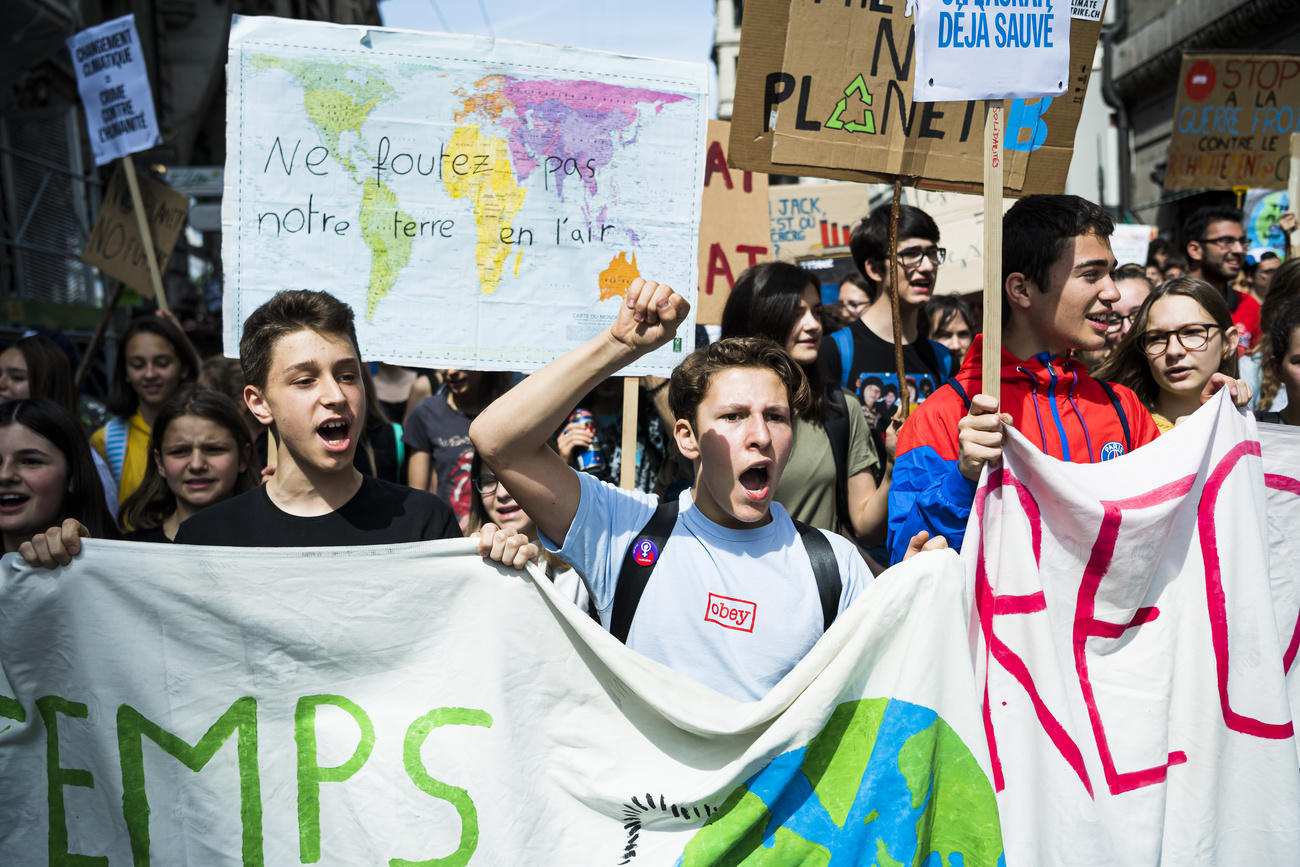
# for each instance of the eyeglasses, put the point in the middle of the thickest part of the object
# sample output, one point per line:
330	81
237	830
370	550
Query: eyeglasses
1190	337
1117	320
912	256
485	484
1227	241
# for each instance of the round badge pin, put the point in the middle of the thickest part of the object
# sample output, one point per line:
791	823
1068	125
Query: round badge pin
645	553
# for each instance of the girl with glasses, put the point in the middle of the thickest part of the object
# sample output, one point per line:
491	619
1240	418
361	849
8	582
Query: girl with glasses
491	503
1182	336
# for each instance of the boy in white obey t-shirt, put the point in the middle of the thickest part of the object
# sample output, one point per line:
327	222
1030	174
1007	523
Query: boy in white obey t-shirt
733	601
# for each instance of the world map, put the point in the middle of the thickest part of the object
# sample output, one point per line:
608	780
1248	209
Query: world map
886	783
407	177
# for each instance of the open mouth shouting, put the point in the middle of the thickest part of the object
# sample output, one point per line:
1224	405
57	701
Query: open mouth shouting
335	434
755	482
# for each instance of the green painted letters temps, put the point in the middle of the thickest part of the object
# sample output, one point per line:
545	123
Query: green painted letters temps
310	772
133	728
458	797
57	777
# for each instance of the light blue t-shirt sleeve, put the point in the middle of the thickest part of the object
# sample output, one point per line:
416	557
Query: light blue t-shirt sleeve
607	520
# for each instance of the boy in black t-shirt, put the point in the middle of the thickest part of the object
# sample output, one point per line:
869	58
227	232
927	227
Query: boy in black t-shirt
300	358
861	356
303	367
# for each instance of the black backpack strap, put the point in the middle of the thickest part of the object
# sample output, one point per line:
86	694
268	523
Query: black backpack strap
637	566
826	571
837	431
961	392
1119	411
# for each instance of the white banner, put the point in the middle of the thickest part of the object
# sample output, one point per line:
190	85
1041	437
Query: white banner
1125	638
991	49
218	706
114	85
1280	445
480	203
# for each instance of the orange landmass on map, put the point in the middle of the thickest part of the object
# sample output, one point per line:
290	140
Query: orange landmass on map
490	102
615	279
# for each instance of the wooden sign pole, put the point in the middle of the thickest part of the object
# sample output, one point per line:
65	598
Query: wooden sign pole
627	468
991	369
88	358
904	398
146	238
1293	192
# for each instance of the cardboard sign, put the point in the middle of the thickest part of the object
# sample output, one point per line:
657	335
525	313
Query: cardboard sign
825	89
734	231
816	220
114	85
812	219
1019	52
1233	121
114	246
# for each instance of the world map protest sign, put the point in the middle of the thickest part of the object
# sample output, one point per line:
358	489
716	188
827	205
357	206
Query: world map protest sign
1133	652
480	203
827	90
1233	120
411	705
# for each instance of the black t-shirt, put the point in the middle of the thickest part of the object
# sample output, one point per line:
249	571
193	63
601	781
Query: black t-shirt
153	534
380	513
873	376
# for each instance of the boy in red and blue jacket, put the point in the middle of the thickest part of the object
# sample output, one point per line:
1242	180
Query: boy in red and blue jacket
1057	293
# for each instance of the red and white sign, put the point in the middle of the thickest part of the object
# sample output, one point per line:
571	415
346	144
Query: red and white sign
1135	701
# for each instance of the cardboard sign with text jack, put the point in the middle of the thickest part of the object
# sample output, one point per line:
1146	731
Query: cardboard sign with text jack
825	89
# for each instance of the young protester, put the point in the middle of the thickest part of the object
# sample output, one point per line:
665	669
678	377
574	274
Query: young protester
491	504
603	433
36	367
866	348
854	297
952	325
436	435
1261	264
46	473
1284	361
202	455
300	357
1255	367
734	402
1133	287
1181	337
153	360
829	480
1176	268
1058	294
1216	252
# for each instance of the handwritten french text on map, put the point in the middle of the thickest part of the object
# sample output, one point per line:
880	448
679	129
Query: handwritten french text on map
480	204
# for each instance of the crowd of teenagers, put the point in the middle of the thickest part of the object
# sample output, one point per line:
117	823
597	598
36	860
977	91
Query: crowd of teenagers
773	468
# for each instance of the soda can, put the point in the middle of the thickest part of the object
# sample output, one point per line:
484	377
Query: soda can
589	459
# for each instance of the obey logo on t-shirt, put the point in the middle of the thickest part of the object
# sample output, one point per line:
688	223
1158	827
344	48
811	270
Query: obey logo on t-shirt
731	612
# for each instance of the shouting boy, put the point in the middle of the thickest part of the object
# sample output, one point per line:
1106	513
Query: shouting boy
302	363
739	593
